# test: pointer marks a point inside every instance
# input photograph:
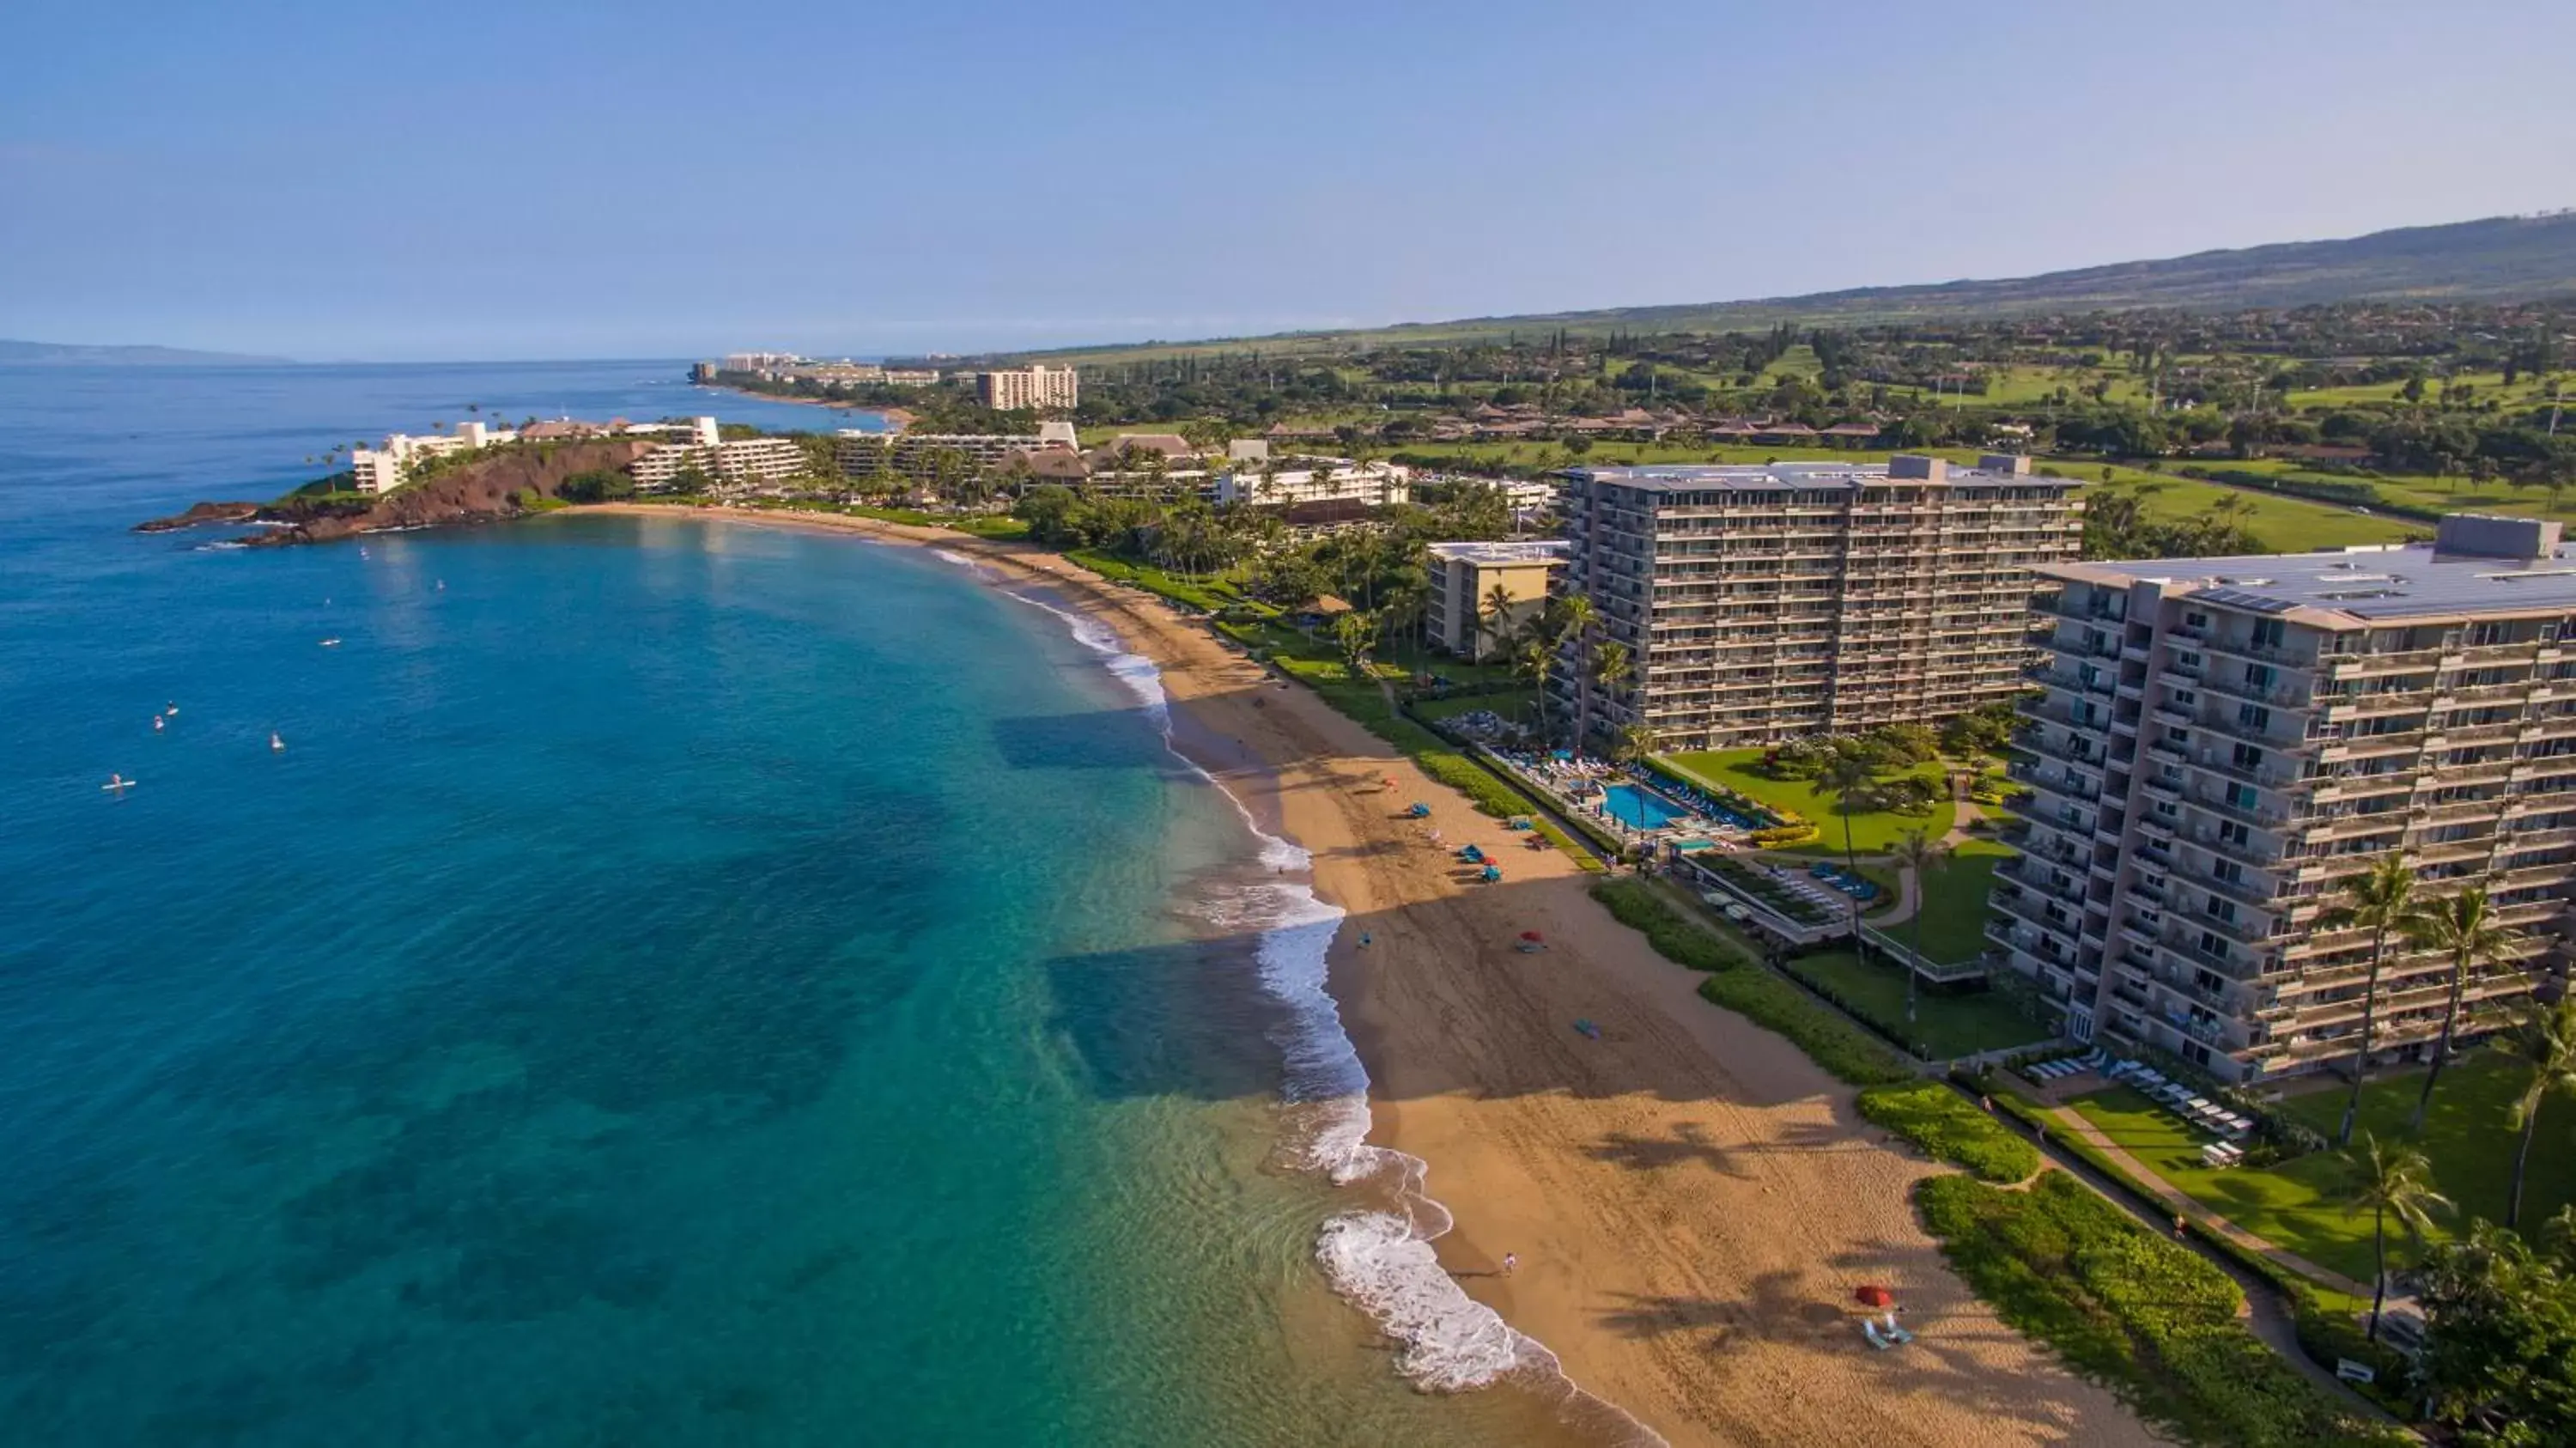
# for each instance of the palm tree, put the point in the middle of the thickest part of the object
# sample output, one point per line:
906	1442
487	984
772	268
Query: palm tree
1355	632
1498	615
2391	1181
1847	780
1532	663
2382	902
2464	928
1610	669
1919	852
1575	620
1636	741
2543	1043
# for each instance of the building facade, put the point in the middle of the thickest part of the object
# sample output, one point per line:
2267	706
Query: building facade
386	467
2222	743
1464	575
1017	388
1761	603
1317	480
920	455
743	462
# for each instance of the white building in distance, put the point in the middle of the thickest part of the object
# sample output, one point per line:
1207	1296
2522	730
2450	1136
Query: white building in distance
1317	480
1018	388
385	468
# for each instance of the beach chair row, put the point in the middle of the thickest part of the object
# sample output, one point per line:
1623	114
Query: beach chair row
2094	1060
2182	1101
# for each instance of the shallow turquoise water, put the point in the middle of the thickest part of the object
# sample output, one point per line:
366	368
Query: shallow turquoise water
678	984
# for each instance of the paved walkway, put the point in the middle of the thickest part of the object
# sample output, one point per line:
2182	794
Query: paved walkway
1909	889
2201	1216
2265	1315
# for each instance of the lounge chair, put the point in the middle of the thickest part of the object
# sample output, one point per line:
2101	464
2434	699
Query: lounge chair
1869	1329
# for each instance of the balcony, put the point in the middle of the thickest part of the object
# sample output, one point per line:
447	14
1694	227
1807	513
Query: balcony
2272	777
2277	655
2259	893
2269	695
2267	816
2021	907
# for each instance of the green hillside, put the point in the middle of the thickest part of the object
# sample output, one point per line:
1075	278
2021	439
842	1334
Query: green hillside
2499	259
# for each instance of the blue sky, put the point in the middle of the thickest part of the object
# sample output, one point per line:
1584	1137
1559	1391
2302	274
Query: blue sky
469	180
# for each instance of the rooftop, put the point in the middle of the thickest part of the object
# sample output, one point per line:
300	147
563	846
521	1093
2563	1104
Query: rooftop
2347	587
1532	550
1809	474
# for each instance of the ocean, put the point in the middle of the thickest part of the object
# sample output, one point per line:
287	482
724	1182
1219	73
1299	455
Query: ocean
676	983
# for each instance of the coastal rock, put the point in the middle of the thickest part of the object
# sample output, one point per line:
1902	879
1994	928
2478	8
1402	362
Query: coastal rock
201	515
482	491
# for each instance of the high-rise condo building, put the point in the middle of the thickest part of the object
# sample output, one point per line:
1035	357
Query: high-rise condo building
1760	603
1017	388
2223	742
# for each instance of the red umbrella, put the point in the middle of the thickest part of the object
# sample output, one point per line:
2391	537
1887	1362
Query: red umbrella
1875	1296
1533	937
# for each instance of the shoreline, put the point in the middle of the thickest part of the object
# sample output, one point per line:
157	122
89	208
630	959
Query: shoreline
1692	1201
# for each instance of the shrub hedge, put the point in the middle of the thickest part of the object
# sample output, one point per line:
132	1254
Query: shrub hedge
2142	1314
2325	1321
1848	1052
1943	1123
1636	905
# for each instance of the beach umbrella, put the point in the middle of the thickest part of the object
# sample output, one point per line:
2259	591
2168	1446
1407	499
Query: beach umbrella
1533	937
1874	1295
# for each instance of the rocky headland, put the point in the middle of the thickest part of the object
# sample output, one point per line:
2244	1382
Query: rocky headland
488	489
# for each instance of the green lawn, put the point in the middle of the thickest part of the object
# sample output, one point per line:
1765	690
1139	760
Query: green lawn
1873	832
2489	386
2468	1137
2298	1204
1515	705
2283	524
1946	1026
1954	902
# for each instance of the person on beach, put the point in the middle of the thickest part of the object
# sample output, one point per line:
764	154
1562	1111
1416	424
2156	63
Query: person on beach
1511	1263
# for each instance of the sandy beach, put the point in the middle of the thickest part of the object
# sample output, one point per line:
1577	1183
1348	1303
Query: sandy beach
1691	1201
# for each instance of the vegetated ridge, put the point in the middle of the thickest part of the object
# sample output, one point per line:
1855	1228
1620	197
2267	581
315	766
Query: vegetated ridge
512	482
2501	258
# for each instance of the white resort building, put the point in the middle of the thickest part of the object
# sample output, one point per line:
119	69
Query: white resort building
1316	480
2223	742
387	467
735	462
1759	603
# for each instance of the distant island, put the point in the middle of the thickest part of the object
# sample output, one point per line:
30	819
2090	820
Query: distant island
76	354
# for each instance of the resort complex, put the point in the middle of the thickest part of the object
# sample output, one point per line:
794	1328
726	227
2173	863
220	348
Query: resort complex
1482	593
1316	480
684	448
1764	602
2222	744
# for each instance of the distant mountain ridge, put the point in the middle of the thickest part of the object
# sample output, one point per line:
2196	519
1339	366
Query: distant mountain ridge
2501	258
2498	259
74	354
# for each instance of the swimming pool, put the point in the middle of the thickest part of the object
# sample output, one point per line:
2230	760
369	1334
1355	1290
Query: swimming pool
1639	808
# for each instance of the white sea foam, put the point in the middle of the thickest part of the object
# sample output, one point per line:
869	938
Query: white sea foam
1381	1261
